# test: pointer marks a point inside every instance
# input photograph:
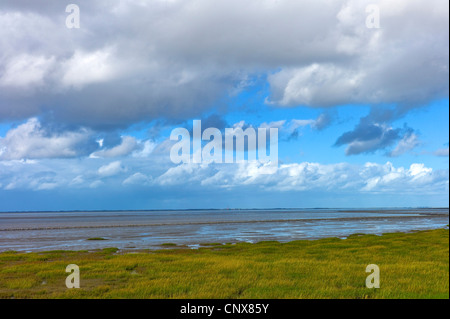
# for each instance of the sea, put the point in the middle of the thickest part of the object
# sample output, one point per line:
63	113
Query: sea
142	230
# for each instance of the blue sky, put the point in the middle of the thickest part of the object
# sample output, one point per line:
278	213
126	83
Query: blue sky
86	113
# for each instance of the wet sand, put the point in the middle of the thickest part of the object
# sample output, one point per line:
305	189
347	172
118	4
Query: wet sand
130	230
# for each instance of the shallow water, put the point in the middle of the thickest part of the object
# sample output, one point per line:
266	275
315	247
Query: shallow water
37	231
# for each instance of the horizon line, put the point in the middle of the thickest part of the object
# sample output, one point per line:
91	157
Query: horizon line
228	208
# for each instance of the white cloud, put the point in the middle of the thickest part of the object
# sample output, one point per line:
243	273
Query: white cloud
389	178
253	176
368	137
96	184
293	126
300	123
115	73
137	179
407	143
23	175
316	85
370	177
47	186
419	170
77	180
195	172
31	140
25	70
442	152
379	69
88	67
275	124
128	145
145	149
111	169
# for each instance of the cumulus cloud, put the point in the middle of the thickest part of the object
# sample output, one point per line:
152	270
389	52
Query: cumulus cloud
35	139
368	138
275	124
111	169
127	146
407	143
336	178
390	178
77	180
44	180
287	129
177	59
137	179
26	70
374	132
378	68
31	140
170	61
310	176
86	68
144	148
321	122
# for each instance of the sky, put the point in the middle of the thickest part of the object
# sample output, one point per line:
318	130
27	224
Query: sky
358	91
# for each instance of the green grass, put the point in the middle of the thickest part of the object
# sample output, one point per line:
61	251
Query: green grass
412	265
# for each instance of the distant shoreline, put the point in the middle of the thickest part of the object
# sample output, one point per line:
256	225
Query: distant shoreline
341	209
230	222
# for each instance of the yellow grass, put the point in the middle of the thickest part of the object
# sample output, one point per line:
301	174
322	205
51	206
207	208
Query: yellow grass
412	265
